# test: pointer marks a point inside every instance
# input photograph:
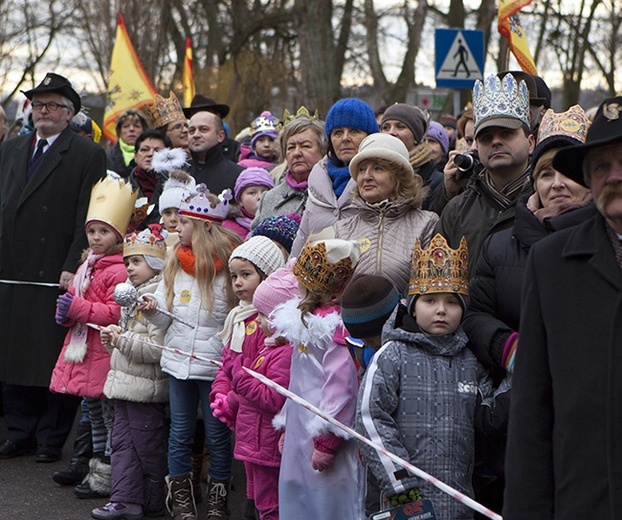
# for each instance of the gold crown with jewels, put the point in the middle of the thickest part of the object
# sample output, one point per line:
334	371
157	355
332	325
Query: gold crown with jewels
439	268
166	110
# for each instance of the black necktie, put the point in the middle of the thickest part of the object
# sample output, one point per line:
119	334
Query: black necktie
36	158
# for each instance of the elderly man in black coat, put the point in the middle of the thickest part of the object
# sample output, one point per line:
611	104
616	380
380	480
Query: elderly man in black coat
564	455
45	185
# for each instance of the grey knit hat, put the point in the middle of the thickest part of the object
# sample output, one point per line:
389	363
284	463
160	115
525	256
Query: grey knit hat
413	117
262	252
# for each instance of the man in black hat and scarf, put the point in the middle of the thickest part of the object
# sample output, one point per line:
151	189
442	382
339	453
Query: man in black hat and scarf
564	453
45	185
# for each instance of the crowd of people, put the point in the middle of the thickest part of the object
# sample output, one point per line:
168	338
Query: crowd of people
449	290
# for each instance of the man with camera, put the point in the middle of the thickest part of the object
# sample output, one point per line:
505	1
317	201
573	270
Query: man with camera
501	117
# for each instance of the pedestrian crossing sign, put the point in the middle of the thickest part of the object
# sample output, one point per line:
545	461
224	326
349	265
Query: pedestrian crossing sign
459	57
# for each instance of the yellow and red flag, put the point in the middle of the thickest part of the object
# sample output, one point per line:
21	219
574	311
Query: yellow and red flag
509	26
128	86
187	76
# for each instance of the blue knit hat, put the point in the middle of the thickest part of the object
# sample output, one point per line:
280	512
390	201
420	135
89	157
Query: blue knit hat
351	113
281	229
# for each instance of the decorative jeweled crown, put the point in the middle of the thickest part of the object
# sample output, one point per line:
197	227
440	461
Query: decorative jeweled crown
326	267
500	98
148	242
199	206
302	113
266	122
165	111
572	123
439	268
112	202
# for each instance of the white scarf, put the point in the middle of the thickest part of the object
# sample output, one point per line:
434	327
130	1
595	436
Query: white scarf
234	331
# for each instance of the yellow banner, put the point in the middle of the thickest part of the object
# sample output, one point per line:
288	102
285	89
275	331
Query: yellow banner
510	27
129	86
187	76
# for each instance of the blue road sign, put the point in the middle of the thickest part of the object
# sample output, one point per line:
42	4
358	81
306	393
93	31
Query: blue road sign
459	57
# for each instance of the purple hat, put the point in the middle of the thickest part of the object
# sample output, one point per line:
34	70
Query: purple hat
252	177
438	133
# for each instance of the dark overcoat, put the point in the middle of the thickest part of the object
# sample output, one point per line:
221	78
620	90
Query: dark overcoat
564	456
41	235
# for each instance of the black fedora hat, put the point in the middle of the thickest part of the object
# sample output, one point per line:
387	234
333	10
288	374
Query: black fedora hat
606	129
202	103
530	82
56	83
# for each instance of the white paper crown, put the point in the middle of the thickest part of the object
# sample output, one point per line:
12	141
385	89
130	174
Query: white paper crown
198	205
500	99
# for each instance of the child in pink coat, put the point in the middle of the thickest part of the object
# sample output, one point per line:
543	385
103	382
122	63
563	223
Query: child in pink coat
83	364
256	439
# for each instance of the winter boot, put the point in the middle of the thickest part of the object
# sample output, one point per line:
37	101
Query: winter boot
155	497
217	499
250	512
197	463
98	482
180	498
79	465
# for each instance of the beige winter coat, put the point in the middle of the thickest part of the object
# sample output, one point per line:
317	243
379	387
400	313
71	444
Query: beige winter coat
323	207
387	232
135	373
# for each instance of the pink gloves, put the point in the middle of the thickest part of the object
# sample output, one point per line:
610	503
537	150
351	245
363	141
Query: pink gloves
222	411
321	460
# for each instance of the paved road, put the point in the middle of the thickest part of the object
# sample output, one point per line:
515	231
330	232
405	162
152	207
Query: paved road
27	491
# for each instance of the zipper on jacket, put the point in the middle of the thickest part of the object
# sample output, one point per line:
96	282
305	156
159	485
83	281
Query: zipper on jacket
379	249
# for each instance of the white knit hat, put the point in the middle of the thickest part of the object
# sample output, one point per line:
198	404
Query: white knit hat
262	252
381	146
178	187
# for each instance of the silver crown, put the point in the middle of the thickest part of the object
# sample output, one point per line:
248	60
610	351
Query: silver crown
500	98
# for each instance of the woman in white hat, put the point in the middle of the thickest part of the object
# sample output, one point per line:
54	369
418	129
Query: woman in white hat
389	218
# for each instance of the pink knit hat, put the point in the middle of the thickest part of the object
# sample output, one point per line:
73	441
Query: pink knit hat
280	287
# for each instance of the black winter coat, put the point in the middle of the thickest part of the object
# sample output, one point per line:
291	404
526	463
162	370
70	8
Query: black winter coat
564	460
41	235
495	287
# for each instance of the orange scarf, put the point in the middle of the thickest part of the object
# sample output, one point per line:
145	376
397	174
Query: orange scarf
185	255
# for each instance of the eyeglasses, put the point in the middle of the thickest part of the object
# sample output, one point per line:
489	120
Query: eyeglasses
51	106
178	127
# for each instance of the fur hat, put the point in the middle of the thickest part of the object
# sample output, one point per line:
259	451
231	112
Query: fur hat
351	113
438	133
281	229
366	305
413	117
177	188
381	146
280	287
252	176
261	252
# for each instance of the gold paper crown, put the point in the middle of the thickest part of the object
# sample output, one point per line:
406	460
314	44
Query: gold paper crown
112	202
573	124
317	273
165	111
439	268
302	113
148	242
